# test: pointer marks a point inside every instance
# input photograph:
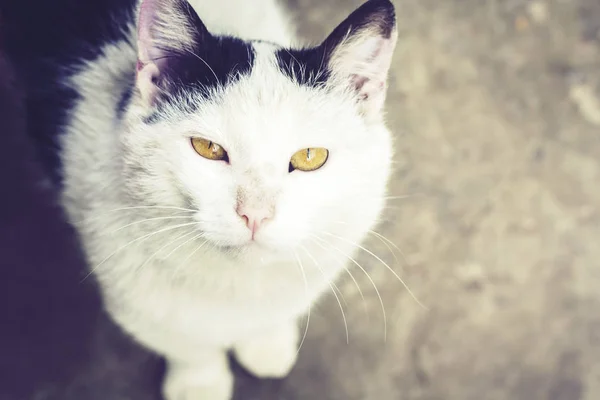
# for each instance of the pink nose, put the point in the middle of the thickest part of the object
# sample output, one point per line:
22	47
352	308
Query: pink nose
254	218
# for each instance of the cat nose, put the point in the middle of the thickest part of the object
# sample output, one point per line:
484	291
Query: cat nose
254	217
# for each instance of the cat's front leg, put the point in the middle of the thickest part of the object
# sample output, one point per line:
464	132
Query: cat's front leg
209	378
271	355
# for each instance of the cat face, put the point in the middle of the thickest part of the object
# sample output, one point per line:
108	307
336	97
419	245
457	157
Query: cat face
275	148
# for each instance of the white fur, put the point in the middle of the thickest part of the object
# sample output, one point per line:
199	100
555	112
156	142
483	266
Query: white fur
366	58
189	302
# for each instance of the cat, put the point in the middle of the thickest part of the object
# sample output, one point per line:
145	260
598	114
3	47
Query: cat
220	176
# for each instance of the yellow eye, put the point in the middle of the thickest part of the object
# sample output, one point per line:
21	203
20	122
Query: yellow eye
210	150
309	159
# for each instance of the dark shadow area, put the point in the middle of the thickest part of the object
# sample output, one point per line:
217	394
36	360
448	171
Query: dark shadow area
55	340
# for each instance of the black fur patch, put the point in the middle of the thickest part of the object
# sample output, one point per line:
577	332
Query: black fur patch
49	40
311	66
128	88
214	61
305	66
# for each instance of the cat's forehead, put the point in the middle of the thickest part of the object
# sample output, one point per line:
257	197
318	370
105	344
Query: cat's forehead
277	77
207	70
272	99
278	103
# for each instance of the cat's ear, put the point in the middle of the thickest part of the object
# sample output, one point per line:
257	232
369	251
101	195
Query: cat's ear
360	52
167	30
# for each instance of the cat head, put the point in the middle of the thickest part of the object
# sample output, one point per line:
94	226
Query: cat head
273	147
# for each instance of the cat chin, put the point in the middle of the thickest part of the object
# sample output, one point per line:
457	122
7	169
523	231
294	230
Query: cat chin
255	252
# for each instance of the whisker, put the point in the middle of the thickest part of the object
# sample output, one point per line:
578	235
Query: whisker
333	283
307	298
387	242
351	277
134	208
163	247
291	55
205	63
339	292
383	262
183	244
176	270
144	237
368	277
331	286
148	220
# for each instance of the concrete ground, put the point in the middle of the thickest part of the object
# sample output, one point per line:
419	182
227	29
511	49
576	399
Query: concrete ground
495	105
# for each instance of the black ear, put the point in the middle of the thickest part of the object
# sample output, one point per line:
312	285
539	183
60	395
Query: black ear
360	52
167	30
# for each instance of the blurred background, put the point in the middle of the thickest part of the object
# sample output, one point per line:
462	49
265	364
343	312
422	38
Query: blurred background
495	106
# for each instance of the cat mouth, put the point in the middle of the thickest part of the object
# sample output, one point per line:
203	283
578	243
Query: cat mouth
253	250
245	246
238	247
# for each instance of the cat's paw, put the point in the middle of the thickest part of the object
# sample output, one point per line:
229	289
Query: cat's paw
206	383
272	355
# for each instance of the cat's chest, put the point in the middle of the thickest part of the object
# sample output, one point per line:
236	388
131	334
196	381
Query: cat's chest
217	312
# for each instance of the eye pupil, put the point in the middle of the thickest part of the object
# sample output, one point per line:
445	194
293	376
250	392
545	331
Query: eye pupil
209	149
309	159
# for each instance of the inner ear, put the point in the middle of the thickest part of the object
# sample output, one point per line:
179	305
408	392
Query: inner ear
360	52
147	82
167	31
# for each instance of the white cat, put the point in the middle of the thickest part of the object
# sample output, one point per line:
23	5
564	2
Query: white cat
218	182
